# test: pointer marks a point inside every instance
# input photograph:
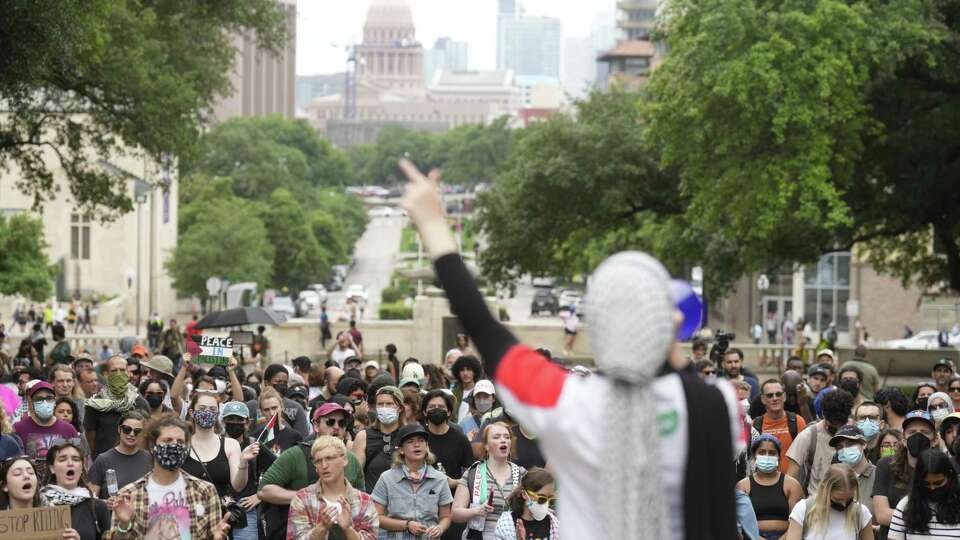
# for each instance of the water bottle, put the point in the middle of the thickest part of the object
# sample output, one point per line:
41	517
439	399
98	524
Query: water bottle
112	487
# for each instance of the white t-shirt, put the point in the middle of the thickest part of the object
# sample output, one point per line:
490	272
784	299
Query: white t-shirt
938	531
167	512
836	527
340	355
464	411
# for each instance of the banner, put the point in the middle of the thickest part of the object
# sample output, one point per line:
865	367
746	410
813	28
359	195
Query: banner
46	523
215	350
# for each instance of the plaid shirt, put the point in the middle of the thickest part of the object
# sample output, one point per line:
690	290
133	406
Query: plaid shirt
199	494
306	505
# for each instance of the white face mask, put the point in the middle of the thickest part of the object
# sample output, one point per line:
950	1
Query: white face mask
538	511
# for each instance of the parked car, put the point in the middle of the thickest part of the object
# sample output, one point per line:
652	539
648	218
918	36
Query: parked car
570	297
927	339
335	283
356	292
544	300
284	304
380	211
311	299
320	289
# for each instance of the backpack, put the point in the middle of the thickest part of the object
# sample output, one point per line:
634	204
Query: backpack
791	424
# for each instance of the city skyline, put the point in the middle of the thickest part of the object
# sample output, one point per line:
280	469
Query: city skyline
326	27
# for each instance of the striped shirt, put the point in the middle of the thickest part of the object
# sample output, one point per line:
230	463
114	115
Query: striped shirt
500	494
937	531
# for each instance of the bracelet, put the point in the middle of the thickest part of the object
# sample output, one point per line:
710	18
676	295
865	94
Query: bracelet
129	526
406	526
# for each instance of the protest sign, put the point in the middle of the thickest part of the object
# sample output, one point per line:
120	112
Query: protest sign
45	523
215	350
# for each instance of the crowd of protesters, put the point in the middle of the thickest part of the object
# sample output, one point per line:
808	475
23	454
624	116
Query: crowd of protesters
493	440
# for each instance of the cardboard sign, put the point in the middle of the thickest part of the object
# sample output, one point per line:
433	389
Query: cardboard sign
46	523
215	350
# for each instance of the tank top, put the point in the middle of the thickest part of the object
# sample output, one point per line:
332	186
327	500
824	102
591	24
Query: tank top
216	471
379	456
769	502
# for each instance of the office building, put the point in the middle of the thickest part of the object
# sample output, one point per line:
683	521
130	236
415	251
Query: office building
447	55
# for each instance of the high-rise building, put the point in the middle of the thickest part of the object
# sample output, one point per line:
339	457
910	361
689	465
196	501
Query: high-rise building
263	83
635	19
530	46
446	54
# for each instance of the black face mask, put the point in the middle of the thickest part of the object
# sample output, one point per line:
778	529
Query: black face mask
255	386
917	443
282	388
850	386
938	494
922	403
840	507
154	400
234	429
437	416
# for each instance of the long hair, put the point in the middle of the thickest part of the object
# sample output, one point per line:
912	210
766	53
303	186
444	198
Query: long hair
900	466
270	393
436	378
6	428
839	477
75	422
535	480
5	469
217	428
917	515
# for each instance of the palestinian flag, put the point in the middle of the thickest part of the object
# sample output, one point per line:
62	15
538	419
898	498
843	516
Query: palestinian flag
269	431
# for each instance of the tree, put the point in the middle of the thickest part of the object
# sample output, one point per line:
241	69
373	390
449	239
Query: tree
263	154
395	142
82	81
227	240
299	260
472	153
573	189
24	268
799	128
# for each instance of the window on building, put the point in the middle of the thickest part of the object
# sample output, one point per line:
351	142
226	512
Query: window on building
80	237
826	289
641	14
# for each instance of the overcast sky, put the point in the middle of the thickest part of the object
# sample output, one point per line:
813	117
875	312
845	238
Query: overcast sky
324	27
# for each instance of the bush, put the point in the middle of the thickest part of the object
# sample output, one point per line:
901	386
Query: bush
395	311
390	295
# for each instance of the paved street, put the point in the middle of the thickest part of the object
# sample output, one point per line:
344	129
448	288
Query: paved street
375	257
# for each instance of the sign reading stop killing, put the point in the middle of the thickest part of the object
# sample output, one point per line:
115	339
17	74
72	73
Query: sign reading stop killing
215	350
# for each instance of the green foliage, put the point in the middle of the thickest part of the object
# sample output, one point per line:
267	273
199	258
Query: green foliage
574	188
84	81
227	240
390	295
799	128
408	239
263	154
396	311
24	268
299	260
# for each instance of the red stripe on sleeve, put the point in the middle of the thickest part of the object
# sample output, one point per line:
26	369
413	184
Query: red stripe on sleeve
530	377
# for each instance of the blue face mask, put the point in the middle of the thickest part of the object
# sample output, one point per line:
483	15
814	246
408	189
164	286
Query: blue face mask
850	455
387	415
870	428
767	463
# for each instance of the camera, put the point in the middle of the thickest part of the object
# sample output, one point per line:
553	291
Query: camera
721	342
238	516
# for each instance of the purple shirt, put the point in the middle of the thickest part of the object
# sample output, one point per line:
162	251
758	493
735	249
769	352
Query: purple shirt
38	439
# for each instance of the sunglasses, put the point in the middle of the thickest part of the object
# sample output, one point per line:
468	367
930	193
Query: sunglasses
540	499
127	430
954	388
709	372
771	395
330	422
938	406
72	441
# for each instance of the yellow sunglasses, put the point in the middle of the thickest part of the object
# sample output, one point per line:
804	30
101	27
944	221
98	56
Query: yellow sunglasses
538	498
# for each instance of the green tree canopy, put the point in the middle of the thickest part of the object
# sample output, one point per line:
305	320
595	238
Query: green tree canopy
228	240
799	128
24	268
299	258
88	80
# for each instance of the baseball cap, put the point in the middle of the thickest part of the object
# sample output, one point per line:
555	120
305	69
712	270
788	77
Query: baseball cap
352	359
817	370
409	380
393	391
38	386
918	415
371	364
827	352
159	363
140	350
852	433
949	420
329	408
235	408
408	431
943	361
484	386
298	390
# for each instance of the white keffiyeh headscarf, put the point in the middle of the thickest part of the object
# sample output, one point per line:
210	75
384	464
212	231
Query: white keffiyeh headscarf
631	314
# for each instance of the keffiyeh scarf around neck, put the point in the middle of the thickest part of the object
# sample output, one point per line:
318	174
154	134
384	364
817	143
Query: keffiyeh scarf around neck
105	402
61	496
